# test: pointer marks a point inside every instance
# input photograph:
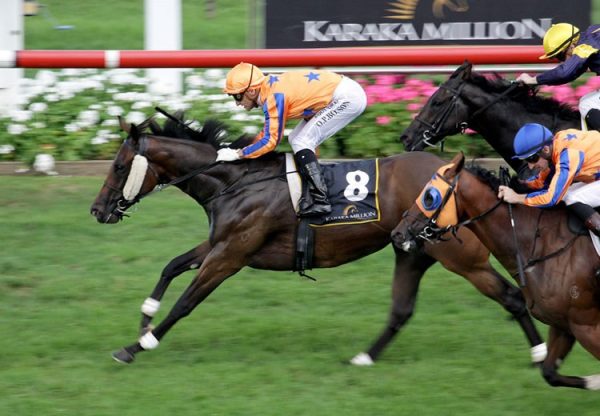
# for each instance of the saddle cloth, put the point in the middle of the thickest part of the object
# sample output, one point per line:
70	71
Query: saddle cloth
352	190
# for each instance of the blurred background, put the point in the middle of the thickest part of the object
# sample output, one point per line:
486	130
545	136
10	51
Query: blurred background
265	343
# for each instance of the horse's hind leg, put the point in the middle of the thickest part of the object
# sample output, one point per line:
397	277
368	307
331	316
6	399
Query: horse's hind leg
559	345
407	275
188	261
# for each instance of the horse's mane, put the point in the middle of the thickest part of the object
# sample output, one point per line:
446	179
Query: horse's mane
485	175
213	132
525	95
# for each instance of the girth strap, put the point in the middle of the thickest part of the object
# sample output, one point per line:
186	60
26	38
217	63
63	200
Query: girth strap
304	247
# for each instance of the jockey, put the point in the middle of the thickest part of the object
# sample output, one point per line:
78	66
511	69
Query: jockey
324	101
573	159
578	53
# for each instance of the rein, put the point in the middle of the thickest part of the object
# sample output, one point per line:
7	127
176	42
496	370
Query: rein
123	205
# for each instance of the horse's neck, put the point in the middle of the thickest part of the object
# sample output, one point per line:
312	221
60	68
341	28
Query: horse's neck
538	233
499	123
224	177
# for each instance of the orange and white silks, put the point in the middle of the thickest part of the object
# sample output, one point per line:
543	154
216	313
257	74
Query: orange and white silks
437	200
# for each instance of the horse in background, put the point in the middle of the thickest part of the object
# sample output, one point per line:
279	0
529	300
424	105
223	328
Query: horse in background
495	108
253	223
561	274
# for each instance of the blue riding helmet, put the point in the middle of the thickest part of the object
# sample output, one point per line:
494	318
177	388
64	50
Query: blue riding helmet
530	139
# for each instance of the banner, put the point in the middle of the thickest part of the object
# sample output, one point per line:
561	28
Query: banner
340	23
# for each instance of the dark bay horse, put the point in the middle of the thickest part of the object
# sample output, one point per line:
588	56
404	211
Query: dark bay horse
252	223
561	269
495	108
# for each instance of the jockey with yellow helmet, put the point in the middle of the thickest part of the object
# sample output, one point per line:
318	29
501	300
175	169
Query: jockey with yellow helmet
578	53
324	101
573	159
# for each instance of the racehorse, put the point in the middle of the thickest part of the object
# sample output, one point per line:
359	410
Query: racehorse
495	108
253	223
561	275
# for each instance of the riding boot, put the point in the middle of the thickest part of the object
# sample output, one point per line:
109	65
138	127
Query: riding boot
590	218
592	119
314	199
593	223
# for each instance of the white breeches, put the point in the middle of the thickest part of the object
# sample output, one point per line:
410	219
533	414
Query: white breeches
348	102
586	103
586	193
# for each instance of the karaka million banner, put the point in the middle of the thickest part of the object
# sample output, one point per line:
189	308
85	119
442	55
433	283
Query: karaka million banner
339	23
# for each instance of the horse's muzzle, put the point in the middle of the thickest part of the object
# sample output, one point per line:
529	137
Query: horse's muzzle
106	217
404	242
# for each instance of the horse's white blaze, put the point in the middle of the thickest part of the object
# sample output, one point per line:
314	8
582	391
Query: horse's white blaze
539	352
132	187
148	341
592	382
362	359
150	306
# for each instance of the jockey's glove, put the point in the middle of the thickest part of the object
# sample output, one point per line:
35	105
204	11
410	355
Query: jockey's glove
227	154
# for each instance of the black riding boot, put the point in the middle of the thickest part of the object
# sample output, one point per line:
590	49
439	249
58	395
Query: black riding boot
592	119
590	217
314	199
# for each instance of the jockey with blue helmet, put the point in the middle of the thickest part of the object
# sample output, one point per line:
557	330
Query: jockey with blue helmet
578	53
572	159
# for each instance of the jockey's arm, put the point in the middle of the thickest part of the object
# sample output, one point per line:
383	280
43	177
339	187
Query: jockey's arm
270	136
565	170
569	70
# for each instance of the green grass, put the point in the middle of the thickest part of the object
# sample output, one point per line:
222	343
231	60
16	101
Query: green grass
118	24
265	343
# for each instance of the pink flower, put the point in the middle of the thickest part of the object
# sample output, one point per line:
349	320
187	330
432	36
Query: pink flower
383	120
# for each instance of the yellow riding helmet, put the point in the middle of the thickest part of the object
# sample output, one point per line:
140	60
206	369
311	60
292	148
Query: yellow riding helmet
242	77
558	38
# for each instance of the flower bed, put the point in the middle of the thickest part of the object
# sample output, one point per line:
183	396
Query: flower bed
72	114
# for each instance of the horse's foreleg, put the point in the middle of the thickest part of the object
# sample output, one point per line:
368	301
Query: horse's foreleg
190	260
474	265
559	345
493	285
408	271
219	264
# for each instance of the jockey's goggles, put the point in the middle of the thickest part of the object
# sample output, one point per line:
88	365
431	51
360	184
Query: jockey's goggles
240	95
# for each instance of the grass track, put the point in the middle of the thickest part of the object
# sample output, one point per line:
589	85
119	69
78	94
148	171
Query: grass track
265	343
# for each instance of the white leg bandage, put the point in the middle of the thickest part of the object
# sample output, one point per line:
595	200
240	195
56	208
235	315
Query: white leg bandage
150	306
148	341
592	382
132	187
539	352
362	359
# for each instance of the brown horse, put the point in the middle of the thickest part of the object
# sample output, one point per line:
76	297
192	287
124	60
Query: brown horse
253	223
560	277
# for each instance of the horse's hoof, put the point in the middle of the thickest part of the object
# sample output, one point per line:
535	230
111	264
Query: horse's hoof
123	356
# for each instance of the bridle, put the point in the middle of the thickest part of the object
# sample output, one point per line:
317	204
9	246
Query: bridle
431	232
124	204
434	129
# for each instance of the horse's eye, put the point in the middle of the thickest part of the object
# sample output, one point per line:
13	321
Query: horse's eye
119	168
431	199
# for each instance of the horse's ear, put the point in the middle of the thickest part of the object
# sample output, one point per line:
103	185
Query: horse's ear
467	68
458	163
123	124
134	133
463	71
